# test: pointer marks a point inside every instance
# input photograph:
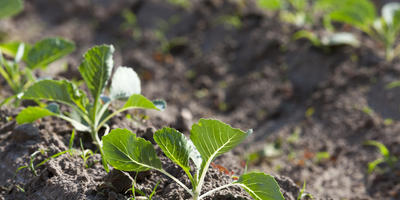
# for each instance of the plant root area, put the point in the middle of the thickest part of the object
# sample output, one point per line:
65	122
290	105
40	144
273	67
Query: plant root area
312	110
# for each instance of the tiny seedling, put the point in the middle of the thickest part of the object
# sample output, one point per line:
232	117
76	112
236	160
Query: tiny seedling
135	190
32	167
180	3
89	116
362	15
208	139
40	55
303	194
387	157
297	12
85	155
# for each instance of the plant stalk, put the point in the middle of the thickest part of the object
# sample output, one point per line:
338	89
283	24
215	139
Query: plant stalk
215	190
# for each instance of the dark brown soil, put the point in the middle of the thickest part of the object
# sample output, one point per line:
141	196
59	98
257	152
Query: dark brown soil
66	176
252	76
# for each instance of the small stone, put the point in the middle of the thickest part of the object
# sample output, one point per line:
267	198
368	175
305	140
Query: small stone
25	132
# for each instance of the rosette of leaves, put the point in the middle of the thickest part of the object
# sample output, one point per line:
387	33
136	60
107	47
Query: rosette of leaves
363	16
89	114
40	55
209	138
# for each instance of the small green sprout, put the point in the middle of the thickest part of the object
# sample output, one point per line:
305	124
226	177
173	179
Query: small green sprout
85	155
37	56
303	194
180	3
363	16
208	139
321	156
32	167
134	190
387	157
230	21
297	12
85	115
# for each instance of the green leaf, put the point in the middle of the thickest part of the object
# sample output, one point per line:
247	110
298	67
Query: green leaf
270	4
260	186
139	101
389	10
125	82
195	156
124	151
175	146
59	91
10	7
47	51
96	68
11	49
382	148
360	14
372	165
213	138
308	35
391	14
31	114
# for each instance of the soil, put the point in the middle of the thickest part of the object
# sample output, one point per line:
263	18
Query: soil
302	102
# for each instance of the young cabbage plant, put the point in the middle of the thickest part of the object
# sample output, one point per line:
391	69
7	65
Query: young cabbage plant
362	15
297	12
40	55
209	138
89	115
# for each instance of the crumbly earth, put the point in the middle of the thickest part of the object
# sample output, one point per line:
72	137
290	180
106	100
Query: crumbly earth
311	109
67	177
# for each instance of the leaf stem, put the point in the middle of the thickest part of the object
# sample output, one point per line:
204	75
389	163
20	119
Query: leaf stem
109	117
215	190
176	180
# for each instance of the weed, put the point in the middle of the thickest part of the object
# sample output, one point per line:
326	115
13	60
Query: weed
386	156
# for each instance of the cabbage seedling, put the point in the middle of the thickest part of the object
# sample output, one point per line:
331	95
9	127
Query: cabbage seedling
208	139
297	12
86	115
37	56
362	15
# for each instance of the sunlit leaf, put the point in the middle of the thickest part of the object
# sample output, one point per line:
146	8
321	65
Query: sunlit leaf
260	186
11	49
139	101
10	7
213	138
47	51
124	151
60	91
174	145
31	114
96	68
125	82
